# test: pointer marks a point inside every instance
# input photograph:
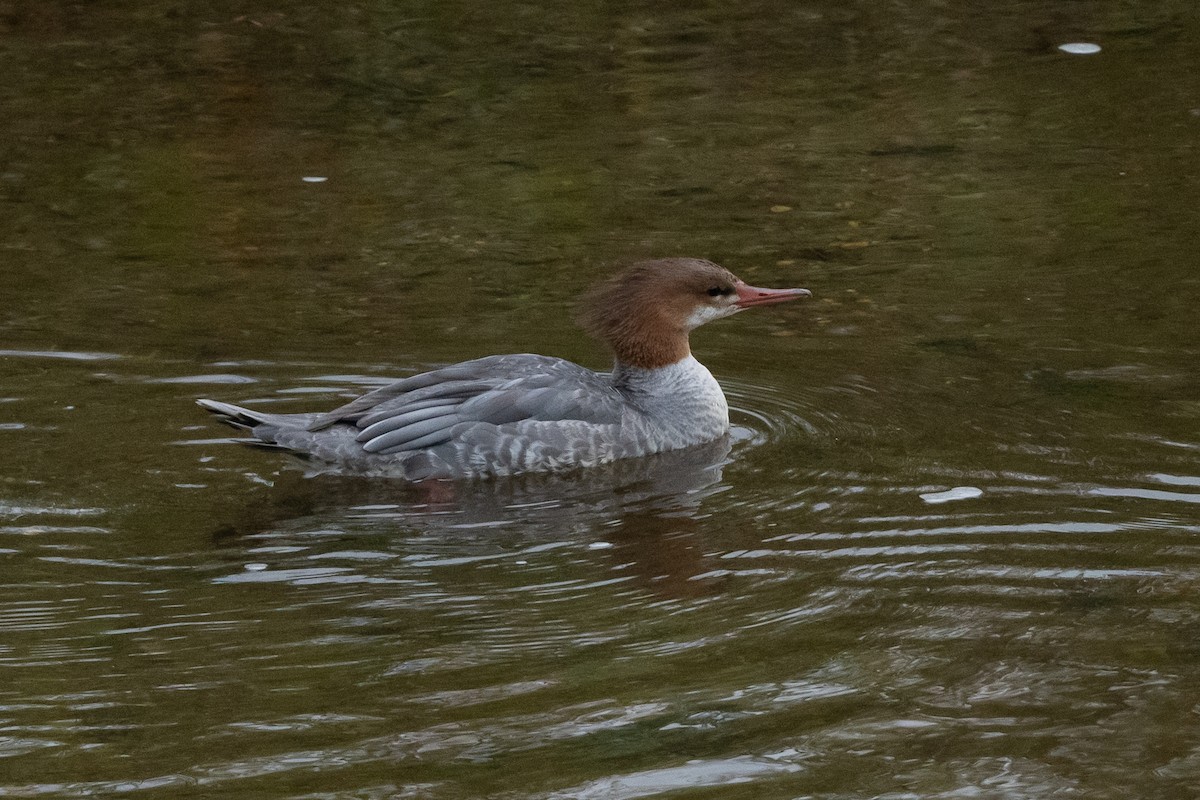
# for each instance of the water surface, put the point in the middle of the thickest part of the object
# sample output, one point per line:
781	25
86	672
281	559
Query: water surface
950	550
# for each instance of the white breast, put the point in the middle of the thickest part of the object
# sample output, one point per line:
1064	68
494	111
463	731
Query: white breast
681	404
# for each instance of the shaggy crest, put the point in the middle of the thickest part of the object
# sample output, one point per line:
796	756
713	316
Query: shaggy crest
645	312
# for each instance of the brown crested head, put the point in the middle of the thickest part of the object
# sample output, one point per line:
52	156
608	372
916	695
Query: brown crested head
645	312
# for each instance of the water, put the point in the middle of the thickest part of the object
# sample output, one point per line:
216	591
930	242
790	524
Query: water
950	551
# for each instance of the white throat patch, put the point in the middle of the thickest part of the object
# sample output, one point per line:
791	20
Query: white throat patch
707	313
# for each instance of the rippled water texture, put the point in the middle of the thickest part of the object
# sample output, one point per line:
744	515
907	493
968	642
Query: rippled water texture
951	550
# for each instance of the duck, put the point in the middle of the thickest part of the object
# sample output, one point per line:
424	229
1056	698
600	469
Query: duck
504	415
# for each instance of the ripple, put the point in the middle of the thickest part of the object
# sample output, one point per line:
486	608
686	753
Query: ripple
1145	494
30	617
487	694
763	413
695	774
223	379
300	576
1176	480
60	354
17	746
33	510
38	530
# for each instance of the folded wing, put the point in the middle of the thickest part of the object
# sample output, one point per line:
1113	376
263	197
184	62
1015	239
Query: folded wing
477	398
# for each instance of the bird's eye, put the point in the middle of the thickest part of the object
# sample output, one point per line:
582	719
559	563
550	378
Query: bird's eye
716	291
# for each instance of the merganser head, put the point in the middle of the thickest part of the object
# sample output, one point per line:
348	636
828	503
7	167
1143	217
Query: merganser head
645	312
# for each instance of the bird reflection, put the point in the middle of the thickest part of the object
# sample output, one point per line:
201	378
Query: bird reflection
645	511
665	551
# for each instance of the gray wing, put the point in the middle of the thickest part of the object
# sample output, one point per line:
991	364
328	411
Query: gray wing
476	397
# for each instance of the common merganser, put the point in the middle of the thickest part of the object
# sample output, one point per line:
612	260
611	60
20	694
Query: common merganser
509	414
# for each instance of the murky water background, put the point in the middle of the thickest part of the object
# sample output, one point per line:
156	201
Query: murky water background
1002	241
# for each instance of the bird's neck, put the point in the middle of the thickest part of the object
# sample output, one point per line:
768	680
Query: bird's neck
650	349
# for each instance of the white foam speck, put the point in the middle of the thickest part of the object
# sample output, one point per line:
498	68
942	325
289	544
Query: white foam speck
1079	48
957	493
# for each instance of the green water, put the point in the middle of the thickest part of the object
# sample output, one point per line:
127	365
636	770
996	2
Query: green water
1001	239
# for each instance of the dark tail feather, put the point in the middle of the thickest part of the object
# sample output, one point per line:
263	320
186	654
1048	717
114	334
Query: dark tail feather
236	416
